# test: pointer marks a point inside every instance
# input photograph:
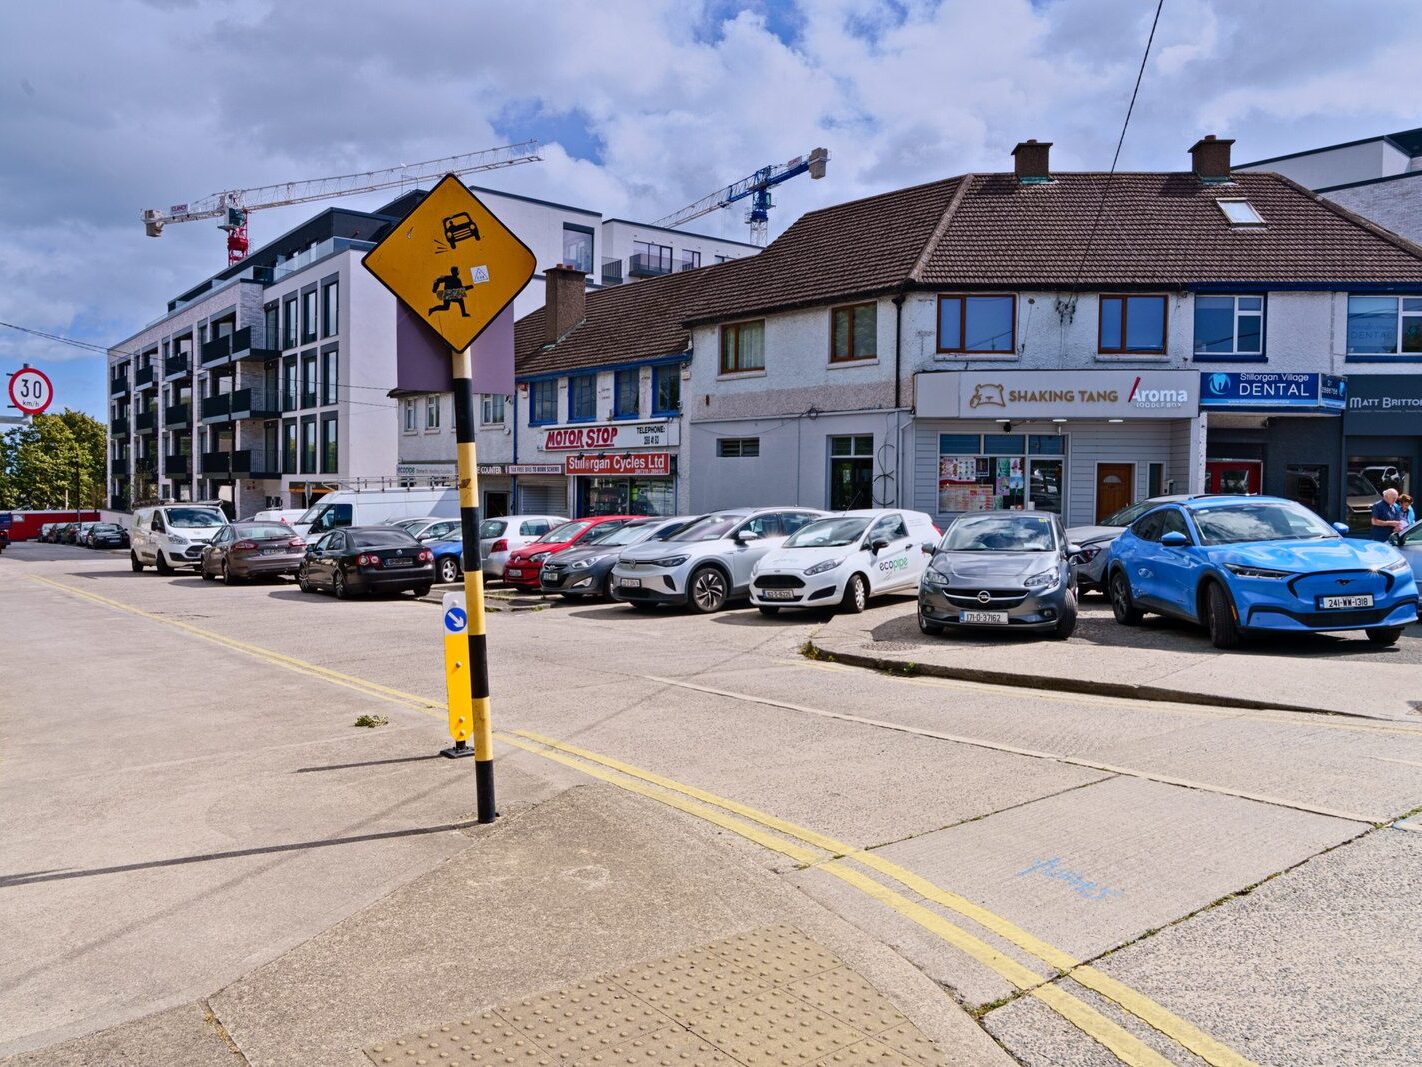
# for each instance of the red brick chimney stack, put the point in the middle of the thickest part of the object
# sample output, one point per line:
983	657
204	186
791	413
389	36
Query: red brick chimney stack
1030	161
565	300
1209	158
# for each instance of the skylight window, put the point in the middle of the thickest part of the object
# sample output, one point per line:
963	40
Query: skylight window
1240	213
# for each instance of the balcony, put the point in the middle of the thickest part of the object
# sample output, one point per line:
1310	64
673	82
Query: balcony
118	386
249	464
118	426
178	466
180	366
612	272
118	502
216	408
143	377
217	464
216	351
146	422
649	265
242	347
181	414
245	406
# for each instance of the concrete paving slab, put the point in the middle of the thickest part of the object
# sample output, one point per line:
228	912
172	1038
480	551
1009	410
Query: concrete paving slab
185	1035
1094	868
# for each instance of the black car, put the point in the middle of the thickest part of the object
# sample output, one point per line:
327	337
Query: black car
584	569
367	559
106	535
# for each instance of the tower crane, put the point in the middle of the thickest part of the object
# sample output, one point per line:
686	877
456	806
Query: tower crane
757	186
233	205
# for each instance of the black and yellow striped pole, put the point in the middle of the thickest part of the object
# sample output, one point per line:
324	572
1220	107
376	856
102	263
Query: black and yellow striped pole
468	474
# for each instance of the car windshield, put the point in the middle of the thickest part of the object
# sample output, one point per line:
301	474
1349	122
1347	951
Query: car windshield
409	524
1128	514
563	532
492	528
263	531
629	534
1232	524
195	518
600	533
382	539
707	528
106	527
1000	533
828	533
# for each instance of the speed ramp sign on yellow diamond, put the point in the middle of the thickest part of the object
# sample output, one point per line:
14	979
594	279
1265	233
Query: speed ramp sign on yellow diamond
453	263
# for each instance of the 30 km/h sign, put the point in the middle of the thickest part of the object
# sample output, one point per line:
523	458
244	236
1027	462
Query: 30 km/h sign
453	263
31	390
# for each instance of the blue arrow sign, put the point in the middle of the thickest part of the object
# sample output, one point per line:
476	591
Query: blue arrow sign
455	620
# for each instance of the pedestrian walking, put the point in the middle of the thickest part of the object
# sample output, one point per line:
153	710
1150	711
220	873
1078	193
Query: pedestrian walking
1408	515
1386	516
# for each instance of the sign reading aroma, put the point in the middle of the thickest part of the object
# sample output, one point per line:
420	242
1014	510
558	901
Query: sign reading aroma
1085	394
610	435
1272	391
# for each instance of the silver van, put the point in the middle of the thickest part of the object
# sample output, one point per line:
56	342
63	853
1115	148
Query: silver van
168	536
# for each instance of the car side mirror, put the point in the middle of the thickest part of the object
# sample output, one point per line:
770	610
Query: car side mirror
1175	539
747	535
928	547
1343	528
878	545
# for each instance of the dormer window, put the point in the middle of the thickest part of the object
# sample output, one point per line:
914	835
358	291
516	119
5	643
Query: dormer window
1240	213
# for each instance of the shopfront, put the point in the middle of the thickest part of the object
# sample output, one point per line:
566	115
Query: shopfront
1274	432
617	468
1382	441
1081	444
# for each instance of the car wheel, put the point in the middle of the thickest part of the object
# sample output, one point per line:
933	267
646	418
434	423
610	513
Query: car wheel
420	590
1219	617
338	586
1385	635
708	590
856	595
449	569
161	564
202	570
135	562
303	583
769	609
1066	623
227	576
932	629
1125	610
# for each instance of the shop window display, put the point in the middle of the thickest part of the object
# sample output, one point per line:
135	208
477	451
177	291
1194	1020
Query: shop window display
1001	472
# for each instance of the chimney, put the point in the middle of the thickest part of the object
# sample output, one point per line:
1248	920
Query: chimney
1030	160
565	298
1209	158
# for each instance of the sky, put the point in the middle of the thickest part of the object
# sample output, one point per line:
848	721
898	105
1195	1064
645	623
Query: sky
108	107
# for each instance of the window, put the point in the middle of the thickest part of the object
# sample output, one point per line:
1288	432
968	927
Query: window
330	454
288	446
330	375
626	401
1240	212
854	332
666	390
1131	324
288	331
851	472
1229	325
578	247
431	412
690	259
976	323
650	259
308	379
407	415
271	318
858	445
582	398
308	444
743	347
738	447
330	309
1174	522
542	403
1155	479
288	384
491	409
1001	471
1384	325
308	316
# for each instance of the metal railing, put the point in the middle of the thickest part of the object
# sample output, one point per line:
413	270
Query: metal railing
180	465
177	413
177	366
146	422
649	265
612	272
216	407
143	377
216	463
118	426
118	386
216	350
247	406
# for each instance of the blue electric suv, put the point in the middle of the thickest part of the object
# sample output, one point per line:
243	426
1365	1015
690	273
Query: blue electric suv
1257	564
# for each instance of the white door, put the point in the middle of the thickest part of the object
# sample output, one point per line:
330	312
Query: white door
892	565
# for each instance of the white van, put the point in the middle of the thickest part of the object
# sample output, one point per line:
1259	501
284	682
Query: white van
366	507
286	515
172	535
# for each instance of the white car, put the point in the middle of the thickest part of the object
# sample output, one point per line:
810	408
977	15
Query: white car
498	537
172	535
707	562
843	560
430	529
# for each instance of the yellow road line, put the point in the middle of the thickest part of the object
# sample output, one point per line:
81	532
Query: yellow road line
360	685
1184	1033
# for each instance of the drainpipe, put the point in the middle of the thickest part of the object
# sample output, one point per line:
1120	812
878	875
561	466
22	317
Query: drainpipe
898	345
513	478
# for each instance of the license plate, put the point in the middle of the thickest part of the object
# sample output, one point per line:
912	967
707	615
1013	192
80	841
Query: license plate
992	618
271	552
399	561
630	583
778	594
1360	600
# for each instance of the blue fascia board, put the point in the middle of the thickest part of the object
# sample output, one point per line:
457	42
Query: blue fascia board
553	375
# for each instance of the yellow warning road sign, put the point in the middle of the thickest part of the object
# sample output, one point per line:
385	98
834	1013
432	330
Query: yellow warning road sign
453	263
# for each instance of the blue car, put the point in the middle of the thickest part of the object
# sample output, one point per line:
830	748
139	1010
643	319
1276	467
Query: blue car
1240	565
448	559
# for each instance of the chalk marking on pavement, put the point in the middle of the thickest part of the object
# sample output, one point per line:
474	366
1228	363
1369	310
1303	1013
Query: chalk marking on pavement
1056	757
1120	1042
1394	759
360	685
1184	1033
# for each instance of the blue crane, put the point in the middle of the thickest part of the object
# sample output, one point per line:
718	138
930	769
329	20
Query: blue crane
757	186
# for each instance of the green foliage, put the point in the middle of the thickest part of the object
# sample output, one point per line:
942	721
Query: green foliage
54	455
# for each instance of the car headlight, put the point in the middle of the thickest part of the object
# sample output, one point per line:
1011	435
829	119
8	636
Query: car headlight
1090	552
1042	580
827	565
584	564
934	577
1244	571
539	557
671	561
1397	566
174	539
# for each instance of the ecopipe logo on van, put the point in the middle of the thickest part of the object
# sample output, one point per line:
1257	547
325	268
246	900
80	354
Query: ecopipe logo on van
1156	398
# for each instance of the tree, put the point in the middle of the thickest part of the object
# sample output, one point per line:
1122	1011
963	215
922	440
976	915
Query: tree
57	458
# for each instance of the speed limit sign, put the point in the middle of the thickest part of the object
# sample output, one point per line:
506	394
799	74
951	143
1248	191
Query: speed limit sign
31	390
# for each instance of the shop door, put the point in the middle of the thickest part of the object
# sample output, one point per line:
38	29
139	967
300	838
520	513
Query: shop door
1234	477
496	505
851	472
1115	485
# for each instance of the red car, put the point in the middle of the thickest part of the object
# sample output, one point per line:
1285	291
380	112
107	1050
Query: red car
525	563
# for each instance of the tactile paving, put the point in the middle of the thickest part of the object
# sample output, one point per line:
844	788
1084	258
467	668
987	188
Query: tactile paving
770	996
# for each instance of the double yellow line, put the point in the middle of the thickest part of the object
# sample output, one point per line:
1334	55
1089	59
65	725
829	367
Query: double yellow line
837	858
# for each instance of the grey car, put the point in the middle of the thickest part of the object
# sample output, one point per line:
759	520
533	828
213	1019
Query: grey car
1000	571
1095	540
1409	543
585	569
